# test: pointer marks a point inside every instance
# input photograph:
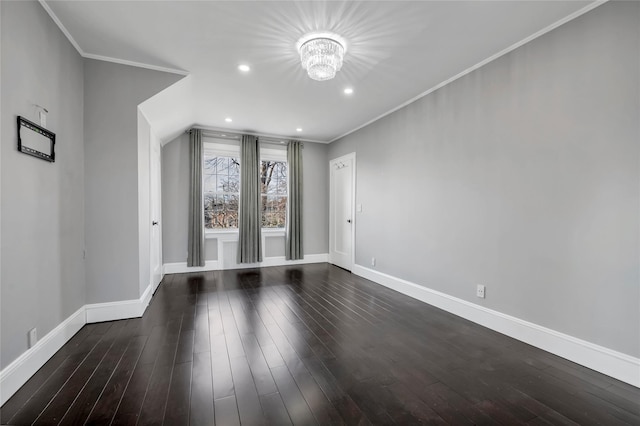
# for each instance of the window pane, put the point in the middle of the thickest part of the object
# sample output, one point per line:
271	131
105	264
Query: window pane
230	183
209	183
209	164
221	188
273	176
234	167
274	211
209	200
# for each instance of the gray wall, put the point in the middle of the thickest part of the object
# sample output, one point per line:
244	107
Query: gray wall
175	201
175	192
42	223
524	176
112	94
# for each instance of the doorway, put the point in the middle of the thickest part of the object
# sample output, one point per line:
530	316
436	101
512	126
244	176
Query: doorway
342	211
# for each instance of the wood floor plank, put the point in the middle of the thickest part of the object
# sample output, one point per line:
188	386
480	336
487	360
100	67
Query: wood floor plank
178	400
307	344
29	389
129	406
83	404
59	405
295	403
155	400
258	364
201	407
274	410
28	413
107	403
227	411
247	398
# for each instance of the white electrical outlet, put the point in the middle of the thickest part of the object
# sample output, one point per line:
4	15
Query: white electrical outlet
373	261
359	208
33	337
480	291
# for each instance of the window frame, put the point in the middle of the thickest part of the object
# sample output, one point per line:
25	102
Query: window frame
217	150
214	148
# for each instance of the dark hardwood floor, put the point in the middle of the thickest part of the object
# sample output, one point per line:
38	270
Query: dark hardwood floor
306	345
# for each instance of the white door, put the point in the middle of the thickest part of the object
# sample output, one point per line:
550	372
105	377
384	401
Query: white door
341	213
156	211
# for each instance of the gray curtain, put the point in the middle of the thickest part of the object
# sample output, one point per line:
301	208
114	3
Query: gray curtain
293	243
249	221
195	252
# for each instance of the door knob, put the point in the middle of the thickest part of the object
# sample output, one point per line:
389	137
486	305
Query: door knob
154	223
348	220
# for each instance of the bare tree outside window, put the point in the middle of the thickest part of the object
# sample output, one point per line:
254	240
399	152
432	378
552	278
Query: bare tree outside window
222	192
273	175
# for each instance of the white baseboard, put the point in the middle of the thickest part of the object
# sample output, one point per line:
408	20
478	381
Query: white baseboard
604	360
111	311
214	265
181	267
19	371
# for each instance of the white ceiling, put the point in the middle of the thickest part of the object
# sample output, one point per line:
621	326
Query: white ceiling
396	51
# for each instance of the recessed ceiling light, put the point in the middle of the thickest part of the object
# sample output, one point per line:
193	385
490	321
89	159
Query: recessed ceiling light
228	120
298	129
244	68
348	91
223	135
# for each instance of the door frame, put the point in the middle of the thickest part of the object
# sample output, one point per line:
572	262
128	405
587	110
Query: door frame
332	162
158	180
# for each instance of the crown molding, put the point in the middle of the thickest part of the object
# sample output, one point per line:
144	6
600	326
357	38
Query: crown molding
64	30
491	58
135	64
82	53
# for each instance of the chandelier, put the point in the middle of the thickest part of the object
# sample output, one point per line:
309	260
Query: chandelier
321	55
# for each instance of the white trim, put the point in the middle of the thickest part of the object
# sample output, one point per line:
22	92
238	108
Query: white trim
282	261
604	360
111	311
234	134
212	234
181	267
274	232
214	265
135	64
64	30
491	58
22	368
82	53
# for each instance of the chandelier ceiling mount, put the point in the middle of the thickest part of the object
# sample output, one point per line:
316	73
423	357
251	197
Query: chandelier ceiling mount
321	54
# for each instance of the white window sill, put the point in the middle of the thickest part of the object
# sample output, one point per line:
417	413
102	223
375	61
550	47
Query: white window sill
230	233
273	231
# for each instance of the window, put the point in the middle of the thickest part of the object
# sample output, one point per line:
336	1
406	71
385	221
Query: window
221	174
221	191
273	175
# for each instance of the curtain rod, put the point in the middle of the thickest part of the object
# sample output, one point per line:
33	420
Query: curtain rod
235	135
